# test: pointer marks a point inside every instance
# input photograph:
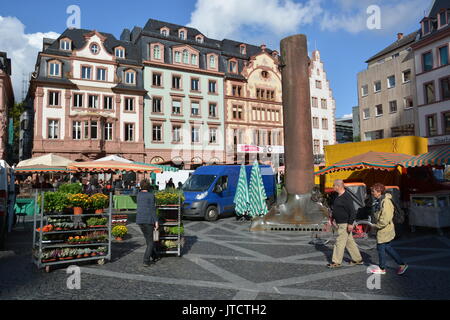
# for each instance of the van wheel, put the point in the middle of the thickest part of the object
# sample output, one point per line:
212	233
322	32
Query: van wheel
212	214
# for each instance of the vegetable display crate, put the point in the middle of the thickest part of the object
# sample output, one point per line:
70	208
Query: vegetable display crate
70	239
171	230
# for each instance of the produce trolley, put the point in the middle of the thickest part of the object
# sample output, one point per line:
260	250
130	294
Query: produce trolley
70	239
430	210
171	238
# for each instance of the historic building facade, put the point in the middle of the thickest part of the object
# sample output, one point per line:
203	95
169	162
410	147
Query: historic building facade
88	97
6	101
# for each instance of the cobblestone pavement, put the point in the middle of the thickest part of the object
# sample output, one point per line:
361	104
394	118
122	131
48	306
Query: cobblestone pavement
224	261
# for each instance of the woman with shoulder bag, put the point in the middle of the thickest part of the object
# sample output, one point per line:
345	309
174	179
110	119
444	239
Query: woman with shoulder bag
384	214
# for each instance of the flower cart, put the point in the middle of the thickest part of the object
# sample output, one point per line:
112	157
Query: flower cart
62	237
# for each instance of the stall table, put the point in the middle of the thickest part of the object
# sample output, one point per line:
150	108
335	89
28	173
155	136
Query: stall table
430	210
24	206
124	202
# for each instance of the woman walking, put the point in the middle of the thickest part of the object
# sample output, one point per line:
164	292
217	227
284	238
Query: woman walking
384	213
147	220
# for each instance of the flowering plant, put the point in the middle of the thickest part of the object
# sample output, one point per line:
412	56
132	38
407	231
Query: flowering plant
119	231
167	198
79	200
99	201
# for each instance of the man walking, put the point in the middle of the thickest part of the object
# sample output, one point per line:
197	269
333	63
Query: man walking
344	214
147	220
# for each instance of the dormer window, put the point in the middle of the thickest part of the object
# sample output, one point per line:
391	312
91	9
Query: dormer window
177	56
182	35
243	49
199	39
95	49
194	59
120	52
185	57
426	26
130	77
212	62
65	45
164	32
232	66
54	68
443	19
157	52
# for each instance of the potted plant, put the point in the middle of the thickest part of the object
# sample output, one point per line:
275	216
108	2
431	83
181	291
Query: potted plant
102	251
99	201
96	222
86	252
119	232
71	188
78	202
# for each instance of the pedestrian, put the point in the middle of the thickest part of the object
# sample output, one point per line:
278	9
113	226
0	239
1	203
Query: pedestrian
170	184
180	185
384	213
147	220
344	214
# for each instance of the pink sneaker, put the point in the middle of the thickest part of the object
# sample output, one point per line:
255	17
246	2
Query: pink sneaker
378	270
402	269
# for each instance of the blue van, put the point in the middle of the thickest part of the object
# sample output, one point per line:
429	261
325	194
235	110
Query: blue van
209	191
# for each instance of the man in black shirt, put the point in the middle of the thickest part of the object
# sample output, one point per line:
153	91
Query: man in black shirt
344	214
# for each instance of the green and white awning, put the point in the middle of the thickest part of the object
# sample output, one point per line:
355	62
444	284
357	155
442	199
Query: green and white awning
257	194
241	199
438	157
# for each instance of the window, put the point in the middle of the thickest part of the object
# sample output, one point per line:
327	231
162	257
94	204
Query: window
164	32
120	53
213	110
53	129
86	72
315	122
195	84
318	84
377	86
324	124
379	110
212	61
315	102
395	55
65	45
176	107
157	133
408	102
185	57
101	74
53	98
157	105
194	59
195	109
236	91
176	82
212	135
182	35
374	135
237	112
426	27
199	39
443	55
157	52
76	130
78	100
212	86
55	69
431	125
364	90
232	66
156	79
108	131
446	125
323	103
427	61
391	82
406	76
404	130
176	134
129	104
129	132
393	106
86	130
94	130
316	146
130	77
93	101
108	103
442	19
177	56
445	88
242	49
195	135
94	48
430	96
265	74
366	113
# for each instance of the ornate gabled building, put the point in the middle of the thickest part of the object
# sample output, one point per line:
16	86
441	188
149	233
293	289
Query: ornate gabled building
88	97
6	101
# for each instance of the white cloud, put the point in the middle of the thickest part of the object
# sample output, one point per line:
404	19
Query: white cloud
235	19
22	49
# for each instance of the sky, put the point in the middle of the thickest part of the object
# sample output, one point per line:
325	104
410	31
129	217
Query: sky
346	32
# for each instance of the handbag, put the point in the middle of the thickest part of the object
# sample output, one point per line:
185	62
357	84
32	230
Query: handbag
155	234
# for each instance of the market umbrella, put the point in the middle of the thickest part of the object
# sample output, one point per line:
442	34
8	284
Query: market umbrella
114	158
51	160
368	160
108	166
438	157
42	168
257	194
241	199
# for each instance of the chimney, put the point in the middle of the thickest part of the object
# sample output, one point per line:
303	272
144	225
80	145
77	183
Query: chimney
399	36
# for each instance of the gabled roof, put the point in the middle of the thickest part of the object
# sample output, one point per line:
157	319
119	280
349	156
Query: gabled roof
406	40
437	6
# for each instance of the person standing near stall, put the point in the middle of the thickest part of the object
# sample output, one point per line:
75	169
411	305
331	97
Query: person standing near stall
147	220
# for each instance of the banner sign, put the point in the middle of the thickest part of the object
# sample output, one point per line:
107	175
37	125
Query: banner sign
243	148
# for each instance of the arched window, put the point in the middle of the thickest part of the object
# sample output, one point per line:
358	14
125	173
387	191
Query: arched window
185	57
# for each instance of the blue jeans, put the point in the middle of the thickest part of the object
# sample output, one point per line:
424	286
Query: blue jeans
384	248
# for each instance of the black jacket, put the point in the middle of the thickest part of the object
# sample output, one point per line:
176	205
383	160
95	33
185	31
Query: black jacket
343	209
146	209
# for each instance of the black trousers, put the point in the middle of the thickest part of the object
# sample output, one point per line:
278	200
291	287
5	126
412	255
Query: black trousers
150	253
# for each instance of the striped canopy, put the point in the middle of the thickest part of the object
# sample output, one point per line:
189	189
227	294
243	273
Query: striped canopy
241	198
108	166
42	168
438	157
369	160
162	167
257	193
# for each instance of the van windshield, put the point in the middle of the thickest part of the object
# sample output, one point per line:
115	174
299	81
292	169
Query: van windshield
198	182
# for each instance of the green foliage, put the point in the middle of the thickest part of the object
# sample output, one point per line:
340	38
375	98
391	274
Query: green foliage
72	188
96	221
169	197
119	231
55	201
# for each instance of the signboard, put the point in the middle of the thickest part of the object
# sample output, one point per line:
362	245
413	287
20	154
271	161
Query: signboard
439	140
243	148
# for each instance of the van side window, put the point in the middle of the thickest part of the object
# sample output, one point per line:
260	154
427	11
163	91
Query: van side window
223	182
